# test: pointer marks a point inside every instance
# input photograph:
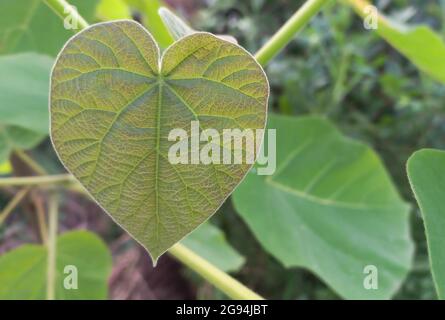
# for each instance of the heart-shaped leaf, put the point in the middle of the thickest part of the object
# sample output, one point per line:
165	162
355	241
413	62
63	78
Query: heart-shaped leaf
114	101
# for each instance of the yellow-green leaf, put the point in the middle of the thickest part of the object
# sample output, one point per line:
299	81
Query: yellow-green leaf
5	168
113	10
114	100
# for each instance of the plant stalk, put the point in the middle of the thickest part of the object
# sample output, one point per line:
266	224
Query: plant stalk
360	7
287	32
208	271
64	10
221	280
53	212
37	180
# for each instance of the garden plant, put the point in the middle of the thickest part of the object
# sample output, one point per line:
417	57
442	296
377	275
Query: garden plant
93	97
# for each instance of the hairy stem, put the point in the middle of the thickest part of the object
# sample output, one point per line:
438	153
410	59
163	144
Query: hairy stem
218	278
287	32
53	212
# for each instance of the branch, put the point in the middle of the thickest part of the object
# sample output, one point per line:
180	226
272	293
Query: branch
287	32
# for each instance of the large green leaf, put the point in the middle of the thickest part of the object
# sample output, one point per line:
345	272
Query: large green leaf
426	172
24	90
210	243
329	207
113	105
23	270
30	25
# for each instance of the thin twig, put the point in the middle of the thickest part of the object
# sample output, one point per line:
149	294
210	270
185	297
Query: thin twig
38	180
53	212
41	219
18	197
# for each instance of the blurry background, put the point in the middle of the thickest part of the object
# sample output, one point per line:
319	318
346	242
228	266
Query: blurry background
334	67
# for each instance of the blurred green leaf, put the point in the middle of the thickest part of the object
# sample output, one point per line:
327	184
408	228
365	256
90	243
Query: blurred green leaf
23	270
178	28
138	98
152	21
12	138
24	90
420	44
30	25
426	172
211	244
329	207
113	10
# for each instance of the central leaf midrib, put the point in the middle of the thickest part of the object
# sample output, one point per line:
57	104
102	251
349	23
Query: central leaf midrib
157	148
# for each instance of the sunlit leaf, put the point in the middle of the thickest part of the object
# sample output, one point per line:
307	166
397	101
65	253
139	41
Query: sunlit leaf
5	168
329	207
426	172
113	10
30	25
23	271
210	243
112	110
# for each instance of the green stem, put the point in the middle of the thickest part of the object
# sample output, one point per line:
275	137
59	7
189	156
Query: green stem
63	9
221	280
53	212
218	278
287	32
38	180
